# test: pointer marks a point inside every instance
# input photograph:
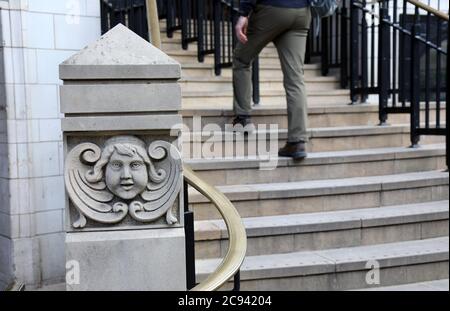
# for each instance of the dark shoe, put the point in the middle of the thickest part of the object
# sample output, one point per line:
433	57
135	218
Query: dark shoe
294	150
243	124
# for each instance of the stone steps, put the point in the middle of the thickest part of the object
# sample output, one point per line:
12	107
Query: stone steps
342	268
267	70
219	144
225	84
324	230
318	115
313	225
321	165
271	199
224	99
174	44
439	285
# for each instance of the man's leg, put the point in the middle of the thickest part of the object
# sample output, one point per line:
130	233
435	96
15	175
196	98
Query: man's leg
291	48
261	30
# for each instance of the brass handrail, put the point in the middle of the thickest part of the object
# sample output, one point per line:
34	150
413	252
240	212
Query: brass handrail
153	23
429	9
236	232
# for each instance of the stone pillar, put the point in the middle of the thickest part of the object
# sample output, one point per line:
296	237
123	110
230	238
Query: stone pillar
123	171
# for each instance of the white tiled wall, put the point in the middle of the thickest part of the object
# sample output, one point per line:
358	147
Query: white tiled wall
36	36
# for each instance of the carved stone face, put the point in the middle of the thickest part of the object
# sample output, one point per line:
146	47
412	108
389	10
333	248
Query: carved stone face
126	176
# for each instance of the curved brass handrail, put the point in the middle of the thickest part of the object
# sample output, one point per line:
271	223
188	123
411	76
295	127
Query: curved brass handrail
429	9
236	233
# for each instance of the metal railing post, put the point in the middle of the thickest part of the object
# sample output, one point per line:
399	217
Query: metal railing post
255	81
354	51
415	83
447	113
325	55
384	61
217	26
344	48
184	23
190	240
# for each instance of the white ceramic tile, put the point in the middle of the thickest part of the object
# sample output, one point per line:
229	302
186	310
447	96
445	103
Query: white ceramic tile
52	256
42	101
5	255
38	30
27	131
50	130
93	8
26	225
5	225
23	161
5	28
44	159
48	222
48	65
9	101
12	161
18	65
69	7
16	28
30	59
20	101
48	193
4	196
87	30
7	68
20	197
24	256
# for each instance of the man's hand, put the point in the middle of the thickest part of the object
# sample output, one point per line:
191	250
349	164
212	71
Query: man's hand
241	29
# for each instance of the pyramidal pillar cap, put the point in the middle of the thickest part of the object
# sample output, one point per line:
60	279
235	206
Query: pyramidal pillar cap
120	54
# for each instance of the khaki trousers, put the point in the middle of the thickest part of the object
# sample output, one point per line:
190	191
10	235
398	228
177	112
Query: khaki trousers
287	29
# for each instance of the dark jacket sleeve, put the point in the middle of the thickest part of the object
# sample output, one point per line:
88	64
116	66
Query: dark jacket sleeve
246	6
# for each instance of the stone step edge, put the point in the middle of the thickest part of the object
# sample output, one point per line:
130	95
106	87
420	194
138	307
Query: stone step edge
286	190
336	260
207	230
277	93
269	110
186	65
228	80
325	132
321	158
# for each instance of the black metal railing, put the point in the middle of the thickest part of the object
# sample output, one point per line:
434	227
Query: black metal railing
399	53
131	13
328	43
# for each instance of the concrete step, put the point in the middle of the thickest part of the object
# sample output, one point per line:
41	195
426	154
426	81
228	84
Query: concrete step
342	268
224	100
212	143
323	230
271	199
266	57
320	165
266	70
318	116
174	44
225	84
438	285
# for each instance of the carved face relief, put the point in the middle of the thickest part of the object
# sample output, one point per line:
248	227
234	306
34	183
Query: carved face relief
126	175
124	178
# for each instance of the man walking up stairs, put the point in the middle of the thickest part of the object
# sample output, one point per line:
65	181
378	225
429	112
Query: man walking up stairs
286	23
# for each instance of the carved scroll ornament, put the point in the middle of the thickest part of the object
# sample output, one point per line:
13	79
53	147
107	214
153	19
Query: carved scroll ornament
125	178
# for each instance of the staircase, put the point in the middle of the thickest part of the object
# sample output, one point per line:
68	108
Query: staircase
361	200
